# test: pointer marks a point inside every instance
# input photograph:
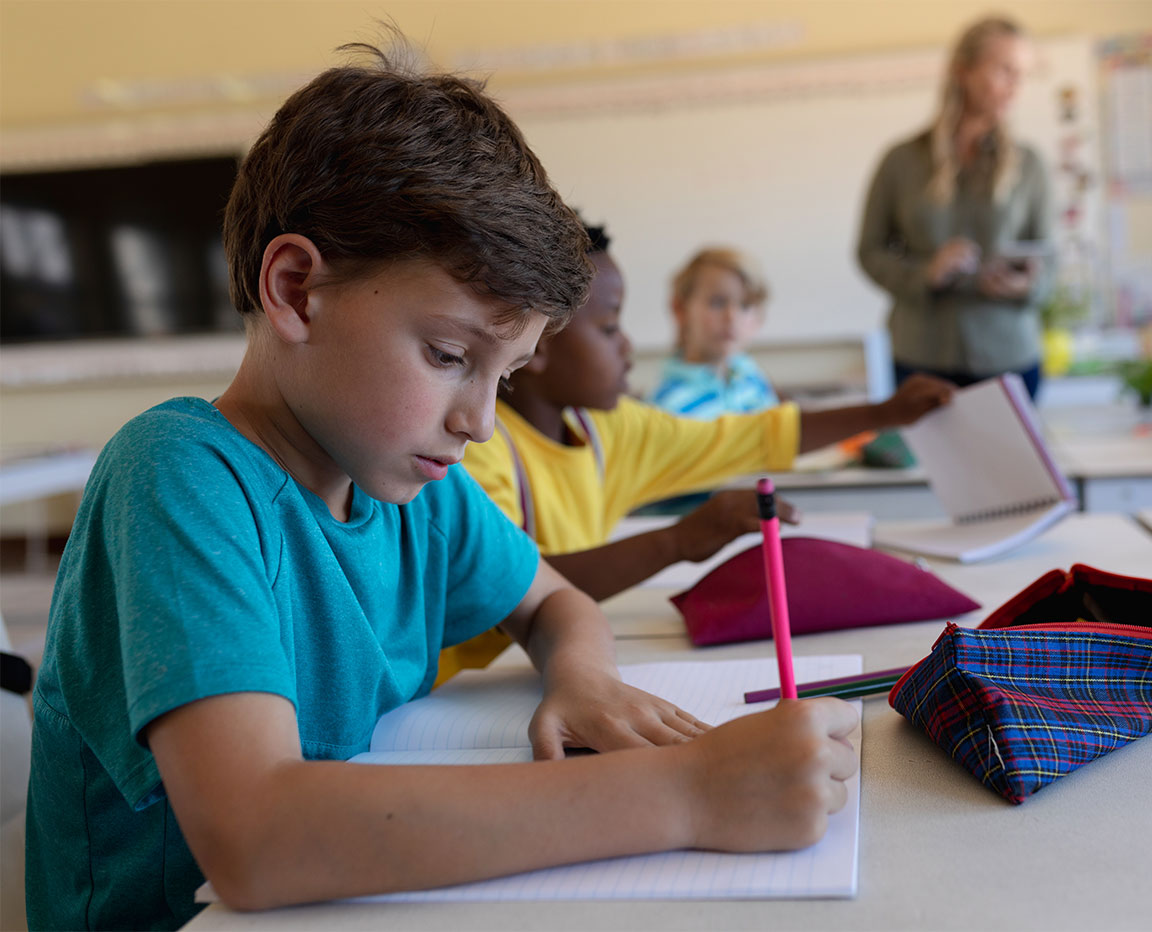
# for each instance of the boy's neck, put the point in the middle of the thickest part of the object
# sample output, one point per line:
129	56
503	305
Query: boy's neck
697	359
543	415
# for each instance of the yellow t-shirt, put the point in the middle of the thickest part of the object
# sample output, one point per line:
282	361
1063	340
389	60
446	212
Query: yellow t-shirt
646	455
576	496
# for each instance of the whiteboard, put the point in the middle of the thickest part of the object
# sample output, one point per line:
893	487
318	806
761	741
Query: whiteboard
775	160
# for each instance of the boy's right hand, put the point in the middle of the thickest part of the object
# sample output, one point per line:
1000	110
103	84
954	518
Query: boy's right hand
769	781
721	519
916	396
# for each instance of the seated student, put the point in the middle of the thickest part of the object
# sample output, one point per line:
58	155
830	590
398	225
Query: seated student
252	582
718	301
573	454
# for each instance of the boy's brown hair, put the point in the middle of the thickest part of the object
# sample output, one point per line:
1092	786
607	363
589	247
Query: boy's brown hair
379	162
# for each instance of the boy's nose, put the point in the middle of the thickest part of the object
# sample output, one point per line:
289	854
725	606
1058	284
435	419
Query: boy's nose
625	347
474	413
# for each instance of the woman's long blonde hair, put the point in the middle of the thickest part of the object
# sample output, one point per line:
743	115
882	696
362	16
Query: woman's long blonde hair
942	133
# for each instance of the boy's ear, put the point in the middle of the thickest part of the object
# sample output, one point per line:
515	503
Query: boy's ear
287	275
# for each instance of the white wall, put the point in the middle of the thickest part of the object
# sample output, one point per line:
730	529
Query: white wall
775	160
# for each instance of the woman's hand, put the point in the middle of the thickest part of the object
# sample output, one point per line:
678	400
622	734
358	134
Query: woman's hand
958	256
1006	280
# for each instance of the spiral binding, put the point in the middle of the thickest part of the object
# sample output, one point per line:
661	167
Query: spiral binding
1009	511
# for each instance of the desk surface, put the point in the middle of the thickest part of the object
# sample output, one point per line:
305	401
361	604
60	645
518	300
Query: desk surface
937	849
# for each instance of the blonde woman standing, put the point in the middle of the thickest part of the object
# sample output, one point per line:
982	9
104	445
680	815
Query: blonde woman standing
956	227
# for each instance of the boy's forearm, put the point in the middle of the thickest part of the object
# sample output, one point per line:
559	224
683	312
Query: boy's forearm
604	571
821	428
570	632
360	829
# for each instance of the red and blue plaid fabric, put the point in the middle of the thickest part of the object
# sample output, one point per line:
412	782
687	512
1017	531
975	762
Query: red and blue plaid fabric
1020	707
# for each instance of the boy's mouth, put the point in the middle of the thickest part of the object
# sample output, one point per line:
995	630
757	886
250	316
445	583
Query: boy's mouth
434	467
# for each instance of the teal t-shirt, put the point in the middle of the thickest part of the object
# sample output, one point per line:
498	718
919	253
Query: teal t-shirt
198	567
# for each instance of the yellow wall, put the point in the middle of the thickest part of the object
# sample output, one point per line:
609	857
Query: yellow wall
58	56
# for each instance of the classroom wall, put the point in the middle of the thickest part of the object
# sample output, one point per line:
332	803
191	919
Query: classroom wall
63	60
84	80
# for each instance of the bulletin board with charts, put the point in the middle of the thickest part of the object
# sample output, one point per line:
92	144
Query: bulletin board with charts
1126	95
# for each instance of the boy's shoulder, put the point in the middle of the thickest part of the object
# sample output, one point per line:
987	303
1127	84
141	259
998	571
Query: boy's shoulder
183	434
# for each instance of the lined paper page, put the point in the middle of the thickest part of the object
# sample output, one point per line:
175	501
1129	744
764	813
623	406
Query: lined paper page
492	708
713	691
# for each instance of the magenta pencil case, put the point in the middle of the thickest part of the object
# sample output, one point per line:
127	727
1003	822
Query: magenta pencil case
831	585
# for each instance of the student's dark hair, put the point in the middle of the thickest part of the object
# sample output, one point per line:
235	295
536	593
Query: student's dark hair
380	162
598	239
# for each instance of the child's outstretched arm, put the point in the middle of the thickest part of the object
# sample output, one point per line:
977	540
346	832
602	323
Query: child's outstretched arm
621	564
915	397
270	829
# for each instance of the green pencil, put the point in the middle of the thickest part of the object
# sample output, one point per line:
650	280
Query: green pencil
847	687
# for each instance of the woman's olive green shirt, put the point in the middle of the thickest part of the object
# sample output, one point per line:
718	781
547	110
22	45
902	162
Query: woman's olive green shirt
955	329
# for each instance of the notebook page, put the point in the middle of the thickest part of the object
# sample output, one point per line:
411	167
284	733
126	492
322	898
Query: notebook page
980	457
971	541
492	708
713	690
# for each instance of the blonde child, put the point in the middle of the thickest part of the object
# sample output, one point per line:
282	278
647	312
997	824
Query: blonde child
718	301
252	582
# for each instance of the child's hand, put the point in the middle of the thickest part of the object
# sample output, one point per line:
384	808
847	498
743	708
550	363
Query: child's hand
602	713
721	519
916	396
769	781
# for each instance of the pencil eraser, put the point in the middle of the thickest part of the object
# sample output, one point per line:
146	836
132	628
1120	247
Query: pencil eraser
766	499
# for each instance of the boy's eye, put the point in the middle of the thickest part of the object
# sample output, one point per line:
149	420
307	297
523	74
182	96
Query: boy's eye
610	330
505	385
441	358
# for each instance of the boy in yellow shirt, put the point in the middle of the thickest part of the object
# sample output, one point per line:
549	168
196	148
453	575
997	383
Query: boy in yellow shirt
573	454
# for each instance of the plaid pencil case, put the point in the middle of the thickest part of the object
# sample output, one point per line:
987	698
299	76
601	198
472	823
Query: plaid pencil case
1057	676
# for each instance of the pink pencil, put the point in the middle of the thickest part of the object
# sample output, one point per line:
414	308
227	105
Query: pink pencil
774	582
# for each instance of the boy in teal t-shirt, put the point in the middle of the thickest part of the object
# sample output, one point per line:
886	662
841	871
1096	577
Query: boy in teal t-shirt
252	582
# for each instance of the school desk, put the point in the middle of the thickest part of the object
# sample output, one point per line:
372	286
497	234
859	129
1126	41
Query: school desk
937	849
1105	450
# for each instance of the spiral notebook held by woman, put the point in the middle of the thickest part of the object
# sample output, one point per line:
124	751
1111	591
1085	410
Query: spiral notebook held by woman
988	464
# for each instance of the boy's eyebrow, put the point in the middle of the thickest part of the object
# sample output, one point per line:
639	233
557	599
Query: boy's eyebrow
485	336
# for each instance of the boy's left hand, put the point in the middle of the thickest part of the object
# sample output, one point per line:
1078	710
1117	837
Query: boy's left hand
721	519
600	712
916	396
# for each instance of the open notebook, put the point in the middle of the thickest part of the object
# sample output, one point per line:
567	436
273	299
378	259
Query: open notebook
481	716
988	464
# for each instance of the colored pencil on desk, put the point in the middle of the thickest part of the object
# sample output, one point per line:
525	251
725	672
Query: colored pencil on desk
845	687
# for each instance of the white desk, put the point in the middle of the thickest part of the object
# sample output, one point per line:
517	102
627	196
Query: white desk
1112	542
1105	450
937	849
